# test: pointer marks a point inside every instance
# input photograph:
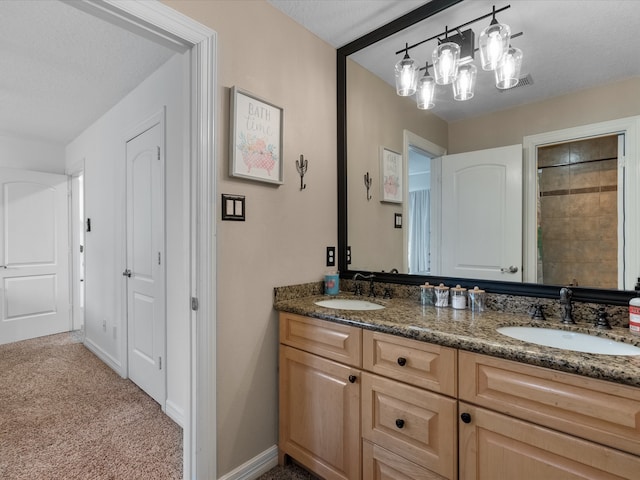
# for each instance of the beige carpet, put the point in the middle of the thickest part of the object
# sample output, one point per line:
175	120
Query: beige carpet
65	415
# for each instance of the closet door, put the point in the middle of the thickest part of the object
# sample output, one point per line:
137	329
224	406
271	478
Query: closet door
34	255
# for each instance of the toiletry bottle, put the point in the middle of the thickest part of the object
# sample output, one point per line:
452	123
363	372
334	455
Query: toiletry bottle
634	311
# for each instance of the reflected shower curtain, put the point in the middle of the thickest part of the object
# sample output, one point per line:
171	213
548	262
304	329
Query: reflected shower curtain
419	246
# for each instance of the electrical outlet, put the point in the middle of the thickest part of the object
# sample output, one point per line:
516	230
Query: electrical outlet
331	256
348	255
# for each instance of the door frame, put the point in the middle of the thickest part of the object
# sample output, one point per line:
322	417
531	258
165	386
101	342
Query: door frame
168	27
630	127
436	151
74	258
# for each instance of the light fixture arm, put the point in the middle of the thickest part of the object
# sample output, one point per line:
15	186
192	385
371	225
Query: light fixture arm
459	27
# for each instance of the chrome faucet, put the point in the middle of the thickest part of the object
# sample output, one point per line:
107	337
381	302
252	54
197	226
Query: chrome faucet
565	303
358	290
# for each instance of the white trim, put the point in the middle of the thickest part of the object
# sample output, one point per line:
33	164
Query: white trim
169	27
114	364
630	126
175	413
253	468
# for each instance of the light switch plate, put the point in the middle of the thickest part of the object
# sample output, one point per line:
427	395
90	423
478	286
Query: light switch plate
233	207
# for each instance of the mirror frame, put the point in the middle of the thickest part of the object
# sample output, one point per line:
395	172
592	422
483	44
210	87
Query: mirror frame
580	294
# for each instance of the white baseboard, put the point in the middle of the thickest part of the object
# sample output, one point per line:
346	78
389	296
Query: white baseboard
255	467
174	412
105	357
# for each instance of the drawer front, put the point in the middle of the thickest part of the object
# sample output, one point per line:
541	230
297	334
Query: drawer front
418	363
600	411
418	425
341	343
380	464
495	446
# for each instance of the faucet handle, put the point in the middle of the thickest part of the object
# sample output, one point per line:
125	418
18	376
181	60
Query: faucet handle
536	311
357	290
602	322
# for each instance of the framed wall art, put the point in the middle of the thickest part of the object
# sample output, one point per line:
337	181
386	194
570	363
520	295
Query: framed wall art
256	138
390	176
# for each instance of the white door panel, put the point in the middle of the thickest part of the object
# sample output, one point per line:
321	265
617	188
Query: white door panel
481	214
34	248
145	261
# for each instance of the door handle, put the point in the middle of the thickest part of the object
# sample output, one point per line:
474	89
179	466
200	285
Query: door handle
511	269
127	273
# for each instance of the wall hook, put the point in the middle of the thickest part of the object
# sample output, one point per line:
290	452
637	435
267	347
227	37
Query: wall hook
367	183
301	166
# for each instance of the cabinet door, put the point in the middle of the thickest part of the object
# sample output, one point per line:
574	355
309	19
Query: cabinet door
320	414
418	425
595	410
494	446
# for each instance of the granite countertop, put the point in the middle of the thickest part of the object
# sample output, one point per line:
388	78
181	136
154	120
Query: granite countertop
476	332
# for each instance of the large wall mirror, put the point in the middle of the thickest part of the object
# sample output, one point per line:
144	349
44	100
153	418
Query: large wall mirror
565	210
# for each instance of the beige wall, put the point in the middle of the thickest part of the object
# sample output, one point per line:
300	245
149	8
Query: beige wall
610	102
286	230
377	117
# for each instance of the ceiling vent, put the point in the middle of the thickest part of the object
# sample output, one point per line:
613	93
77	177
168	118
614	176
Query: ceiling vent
524	81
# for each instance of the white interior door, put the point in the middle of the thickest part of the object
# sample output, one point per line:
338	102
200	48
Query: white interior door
34	255
482	214
145	271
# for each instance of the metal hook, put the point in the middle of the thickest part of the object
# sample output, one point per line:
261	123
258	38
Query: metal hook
367	183
301	167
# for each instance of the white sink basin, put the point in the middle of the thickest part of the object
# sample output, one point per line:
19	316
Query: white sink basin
349	304
579	342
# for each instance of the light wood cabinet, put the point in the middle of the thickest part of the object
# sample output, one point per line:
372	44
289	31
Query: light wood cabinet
363	405
419	425
494	446
320	414
380	464
550	425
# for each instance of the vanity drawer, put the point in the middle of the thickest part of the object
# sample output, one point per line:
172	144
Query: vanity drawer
380	464
604	412
418	425
335	341
418	363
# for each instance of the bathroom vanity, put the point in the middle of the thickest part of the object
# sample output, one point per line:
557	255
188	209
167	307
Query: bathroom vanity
424	393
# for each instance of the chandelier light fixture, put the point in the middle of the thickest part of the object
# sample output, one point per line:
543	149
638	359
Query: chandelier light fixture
406	75
452	62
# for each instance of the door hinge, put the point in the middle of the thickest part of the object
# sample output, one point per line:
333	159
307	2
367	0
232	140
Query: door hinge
159	257
194	304
158	148
159	363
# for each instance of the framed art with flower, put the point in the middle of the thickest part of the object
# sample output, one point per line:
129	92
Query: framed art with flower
390	176
256	138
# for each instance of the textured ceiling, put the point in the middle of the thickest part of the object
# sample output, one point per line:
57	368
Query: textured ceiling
62	68
568	45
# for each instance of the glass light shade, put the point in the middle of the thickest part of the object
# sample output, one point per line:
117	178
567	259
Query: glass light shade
465	83
508	70
494	44
425	91
445	62
406	76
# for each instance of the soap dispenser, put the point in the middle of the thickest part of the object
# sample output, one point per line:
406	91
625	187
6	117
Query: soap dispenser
634	311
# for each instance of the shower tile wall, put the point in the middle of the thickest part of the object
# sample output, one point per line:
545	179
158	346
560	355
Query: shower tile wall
578	219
